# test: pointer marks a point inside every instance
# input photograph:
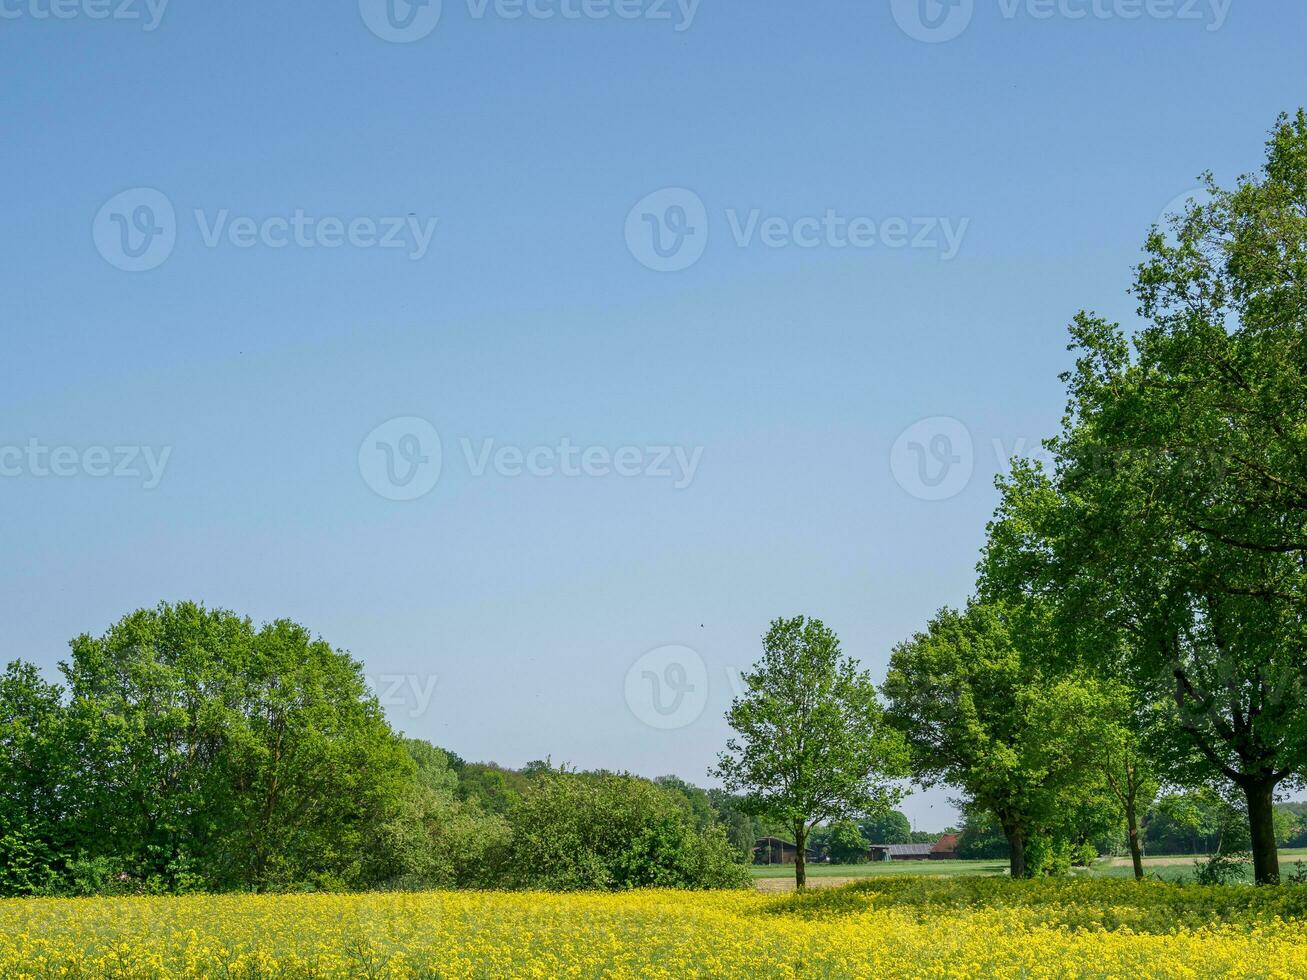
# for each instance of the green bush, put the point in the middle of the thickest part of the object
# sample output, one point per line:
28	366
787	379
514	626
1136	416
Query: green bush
574	831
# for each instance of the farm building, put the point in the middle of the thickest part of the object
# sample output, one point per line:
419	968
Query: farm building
773	850
899	852
944	849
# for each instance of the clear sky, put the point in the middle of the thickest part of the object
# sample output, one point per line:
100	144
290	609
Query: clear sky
659	294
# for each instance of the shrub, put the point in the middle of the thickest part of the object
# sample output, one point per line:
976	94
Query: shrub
574	831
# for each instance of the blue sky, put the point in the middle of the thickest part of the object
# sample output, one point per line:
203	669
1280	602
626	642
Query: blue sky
868	230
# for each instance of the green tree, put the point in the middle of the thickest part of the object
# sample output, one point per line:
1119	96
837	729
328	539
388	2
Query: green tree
810	744
742	829
216	755
843	842
434	839
1181	476
1092	729
981	836
967	694
37	801
887	828
494	788
574	831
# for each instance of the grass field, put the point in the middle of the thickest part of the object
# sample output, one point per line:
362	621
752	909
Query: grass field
1167	867
881	927
877	869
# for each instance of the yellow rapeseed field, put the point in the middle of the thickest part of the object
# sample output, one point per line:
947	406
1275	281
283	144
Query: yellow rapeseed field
1106	929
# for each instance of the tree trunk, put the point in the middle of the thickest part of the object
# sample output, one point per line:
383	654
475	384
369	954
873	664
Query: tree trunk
1136	851
1261	821
1016	842
800	866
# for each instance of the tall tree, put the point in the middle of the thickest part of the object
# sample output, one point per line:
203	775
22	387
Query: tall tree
213	754
888	828
38	810
810	744
966	693
1093	726
1181	476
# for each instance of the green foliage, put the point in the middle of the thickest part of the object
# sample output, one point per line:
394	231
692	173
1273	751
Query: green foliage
842	842
810	746
192	751
891	827
36	782
216	755
1048	856
976	704
982	836
1219	869
742	828
573	831
493	788
27	864
1173	528
436	840
1197	822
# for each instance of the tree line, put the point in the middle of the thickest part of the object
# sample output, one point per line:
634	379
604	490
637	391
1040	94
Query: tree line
188	750
1139	623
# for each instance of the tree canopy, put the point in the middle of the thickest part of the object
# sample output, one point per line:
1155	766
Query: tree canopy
810	745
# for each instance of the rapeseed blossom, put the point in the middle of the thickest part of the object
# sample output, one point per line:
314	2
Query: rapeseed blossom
1012	929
